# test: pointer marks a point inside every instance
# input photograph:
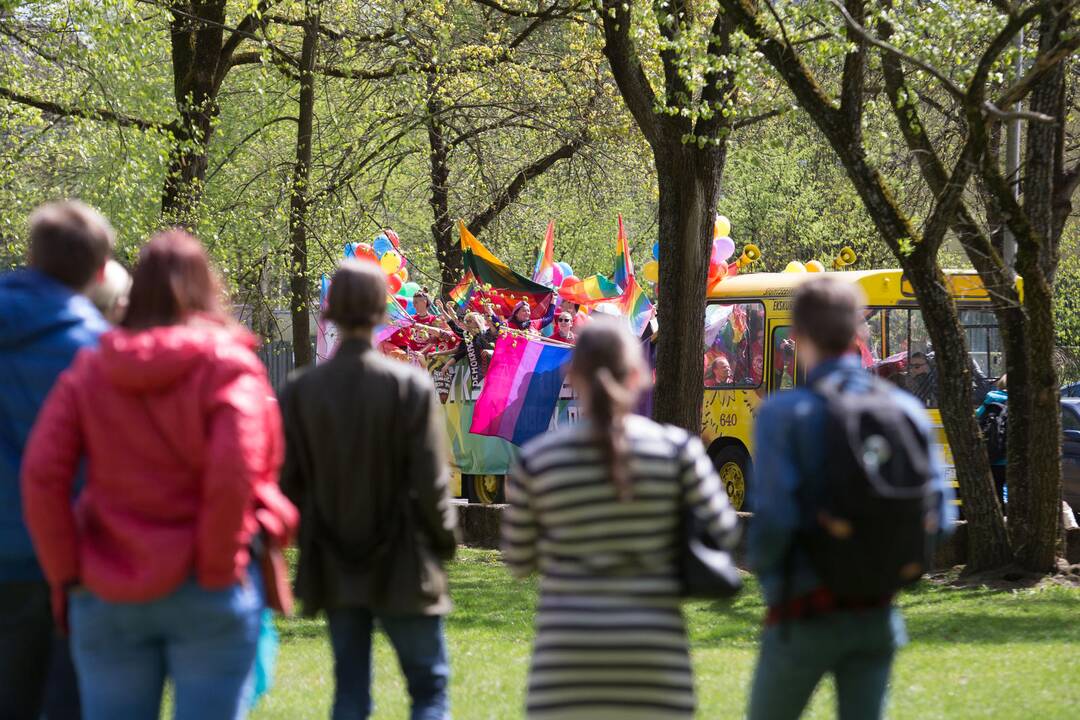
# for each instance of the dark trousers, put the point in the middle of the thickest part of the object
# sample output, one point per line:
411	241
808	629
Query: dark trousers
420	645
37	677
998	473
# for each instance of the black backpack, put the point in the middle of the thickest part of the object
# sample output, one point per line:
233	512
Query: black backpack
994	425
877	490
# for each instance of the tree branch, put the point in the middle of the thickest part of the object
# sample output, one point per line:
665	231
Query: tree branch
243	30
517	184
52	108
755	119
622	55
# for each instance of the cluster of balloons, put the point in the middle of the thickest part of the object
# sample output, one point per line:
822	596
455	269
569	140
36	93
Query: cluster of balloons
723	247
385	251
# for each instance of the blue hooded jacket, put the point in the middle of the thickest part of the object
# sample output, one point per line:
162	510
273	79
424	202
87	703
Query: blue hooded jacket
43	323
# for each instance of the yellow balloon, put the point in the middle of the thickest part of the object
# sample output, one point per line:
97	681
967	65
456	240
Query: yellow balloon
651	271
390	262
722	228
814	266
795	267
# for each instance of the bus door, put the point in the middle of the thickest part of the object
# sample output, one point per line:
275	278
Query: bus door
783	356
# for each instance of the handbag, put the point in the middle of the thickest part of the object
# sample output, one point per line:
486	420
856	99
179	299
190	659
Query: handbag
705	571
277	518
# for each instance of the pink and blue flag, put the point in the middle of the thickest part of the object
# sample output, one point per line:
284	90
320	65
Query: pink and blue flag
521	389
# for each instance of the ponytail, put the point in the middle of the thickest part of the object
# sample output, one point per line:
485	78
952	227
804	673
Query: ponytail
605	358
608	407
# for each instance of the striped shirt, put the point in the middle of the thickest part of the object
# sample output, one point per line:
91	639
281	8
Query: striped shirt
610	635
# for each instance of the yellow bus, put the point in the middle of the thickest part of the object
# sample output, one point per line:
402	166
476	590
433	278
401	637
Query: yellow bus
748	353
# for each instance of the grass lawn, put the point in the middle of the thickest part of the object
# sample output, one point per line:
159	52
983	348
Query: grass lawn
974	653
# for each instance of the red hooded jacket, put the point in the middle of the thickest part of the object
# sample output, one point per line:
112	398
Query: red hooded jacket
180	429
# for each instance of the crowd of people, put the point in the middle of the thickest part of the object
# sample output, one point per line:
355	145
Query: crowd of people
149	474
444	335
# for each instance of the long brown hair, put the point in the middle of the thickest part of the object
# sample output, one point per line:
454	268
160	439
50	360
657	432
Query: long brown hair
173	280
605	358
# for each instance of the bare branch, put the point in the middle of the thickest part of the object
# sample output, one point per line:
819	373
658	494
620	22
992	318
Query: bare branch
755	119
521	178
52	108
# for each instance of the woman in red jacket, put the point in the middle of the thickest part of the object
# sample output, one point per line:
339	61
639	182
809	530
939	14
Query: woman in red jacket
180	432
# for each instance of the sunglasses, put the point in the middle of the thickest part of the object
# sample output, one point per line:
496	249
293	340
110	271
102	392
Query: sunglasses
563	322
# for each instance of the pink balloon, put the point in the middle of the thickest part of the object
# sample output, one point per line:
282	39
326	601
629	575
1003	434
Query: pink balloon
556	276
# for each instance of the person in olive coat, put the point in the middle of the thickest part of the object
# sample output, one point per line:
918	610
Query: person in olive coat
365	463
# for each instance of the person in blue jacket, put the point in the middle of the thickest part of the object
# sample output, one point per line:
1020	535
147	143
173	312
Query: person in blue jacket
44	321
992	402
808	631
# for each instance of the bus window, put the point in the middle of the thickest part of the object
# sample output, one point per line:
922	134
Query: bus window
783	360
984	342
872	336
734	345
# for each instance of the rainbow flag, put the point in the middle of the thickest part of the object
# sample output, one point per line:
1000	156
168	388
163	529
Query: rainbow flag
544	273
624	265
521	389
463	292
590	291
597	289
636	307
489	270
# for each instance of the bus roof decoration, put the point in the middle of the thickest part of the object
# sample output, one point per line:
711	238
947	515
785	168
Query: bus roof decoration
845	258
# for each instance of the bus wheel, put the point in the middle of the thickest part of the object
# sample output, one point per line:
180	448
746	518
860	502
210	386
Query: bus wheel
733	465
485	489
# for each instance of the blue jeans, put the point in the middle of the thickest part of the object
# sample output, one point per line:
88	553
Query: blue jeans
420	645
857	647
204	640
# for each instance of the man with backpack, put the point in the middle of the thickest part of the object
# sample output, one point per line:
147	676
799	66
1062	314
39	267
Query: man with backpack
848	500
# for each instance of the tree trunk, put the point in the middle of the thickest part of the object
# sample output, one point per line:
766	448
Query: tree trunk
689	182
197	35
300	291
988	541
447	248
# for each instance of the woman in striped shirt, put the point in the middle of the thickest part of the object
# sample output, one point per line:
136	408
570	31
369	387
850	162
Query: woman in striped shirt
595	508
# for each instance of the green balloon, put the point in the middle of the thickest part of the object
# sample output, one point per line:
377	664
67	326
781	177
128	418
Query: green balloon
409	289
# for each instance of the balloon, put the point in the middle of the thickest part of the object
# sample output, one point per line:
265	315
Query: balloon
403	274
795	267
382	245
722	249
656	251
651	271
722	226
409	289
814	266
390	262
363	251
393	284
567	271
556	276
